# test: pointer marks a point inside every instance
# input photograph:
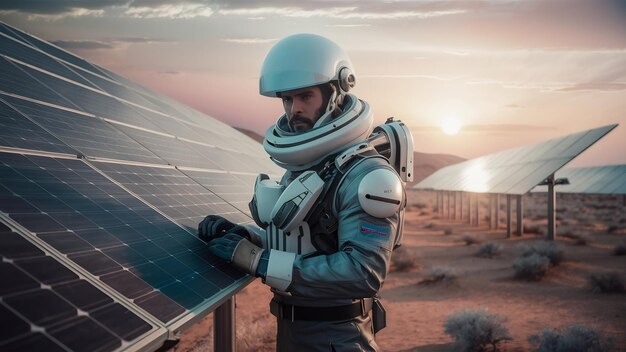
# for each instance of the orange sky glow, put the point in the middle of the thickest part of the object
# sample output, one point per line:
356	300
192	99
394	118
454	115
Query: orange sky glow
510	72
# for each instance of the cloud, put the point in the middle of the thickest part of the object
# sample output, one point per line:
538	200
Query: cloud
349	25
486	129
173	11
402	76
170	72
83	44
249	40
57	7
596	86
512	106
506	128
114	43
344	13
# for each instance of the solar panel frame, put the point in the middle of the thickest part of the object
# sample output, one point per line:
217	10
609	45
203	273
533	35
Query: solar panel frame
514	171
607	179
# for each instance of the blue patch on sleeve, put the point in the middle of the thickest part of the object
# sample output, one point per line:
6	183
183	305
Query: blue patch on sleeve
373	230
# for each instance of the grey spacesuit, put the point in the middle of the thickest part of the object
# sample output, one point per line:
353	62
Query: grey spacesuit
327	229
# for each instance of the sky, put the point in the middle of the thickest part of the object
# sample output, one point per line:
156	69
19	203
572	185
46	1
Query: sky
502	73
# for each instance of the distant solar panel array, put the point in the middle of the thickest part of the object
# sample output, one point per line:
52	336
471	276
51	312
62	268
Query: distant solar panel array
610	179
103	183
514	171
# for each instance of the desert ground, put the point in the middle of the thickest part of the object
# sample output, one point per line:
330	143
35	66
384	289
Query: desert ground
589	228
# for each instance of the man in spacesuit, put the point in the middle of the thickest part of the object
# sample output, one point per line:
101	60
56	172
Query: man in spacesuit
326	231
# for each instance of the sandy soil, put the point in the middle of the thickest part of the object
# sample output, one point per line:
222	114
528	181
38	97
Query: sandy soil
417	312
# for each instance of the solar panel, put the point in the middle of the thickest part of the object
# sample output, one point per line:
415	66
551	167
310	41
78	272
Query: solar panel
20	51
89	135
103	184
609	179
110	233
513	171
55	51
14	127
48	307
15	80
173	193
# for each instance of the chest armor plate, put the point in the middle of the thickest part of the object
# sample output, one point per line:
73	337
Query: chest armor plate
281	211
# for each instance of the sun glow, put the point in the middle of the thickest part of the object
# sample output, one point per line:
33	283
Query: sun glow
450	126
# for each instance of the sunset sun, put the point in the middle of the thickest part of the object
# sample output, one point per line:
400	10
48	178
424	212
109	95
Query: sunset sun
450	126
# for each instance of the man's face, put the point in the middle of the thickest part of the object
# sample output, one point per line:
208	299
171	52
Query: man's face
303	107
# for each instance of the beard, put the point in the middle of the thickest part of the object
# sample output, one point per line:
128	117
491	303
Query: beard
300	123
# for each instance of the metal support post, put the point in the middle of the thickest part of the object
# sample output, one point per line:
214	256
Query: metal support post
551	208
476	209
454	205
448	205
469	208
508	216
497	215
438	206
461	206
224	327
520	216
489	210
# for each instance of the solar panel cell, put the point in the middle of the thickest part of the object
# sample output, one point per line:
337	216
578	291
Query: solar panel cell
15	80
33	342
25	53
84	334
91	136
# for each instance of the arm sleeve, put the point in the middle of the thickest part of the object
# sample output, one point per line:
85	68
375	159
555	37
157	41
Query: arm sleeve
360	266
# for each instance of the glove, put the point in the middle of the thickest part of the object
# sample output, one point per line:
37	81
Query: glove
214	226
242	253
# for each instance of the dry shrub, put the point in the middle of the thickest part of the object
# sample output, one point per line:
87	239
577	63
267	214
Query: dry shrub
612	229
575	338
476	330
403	259
547	249
489	250
430	225
605	282
439	275
536	229
619	249
578	240
531	267
447	231
469	239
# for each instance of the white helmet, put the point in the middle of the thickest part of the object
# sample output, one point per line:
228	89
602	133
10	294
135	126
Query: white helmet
305	60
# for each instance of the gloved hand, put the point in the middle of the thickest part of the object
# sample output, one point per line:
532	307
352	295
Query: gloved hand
242	253
215	226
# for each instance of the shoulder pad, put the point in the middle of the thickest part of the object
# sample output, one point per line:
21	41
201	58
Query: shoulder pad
342	160
380	193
